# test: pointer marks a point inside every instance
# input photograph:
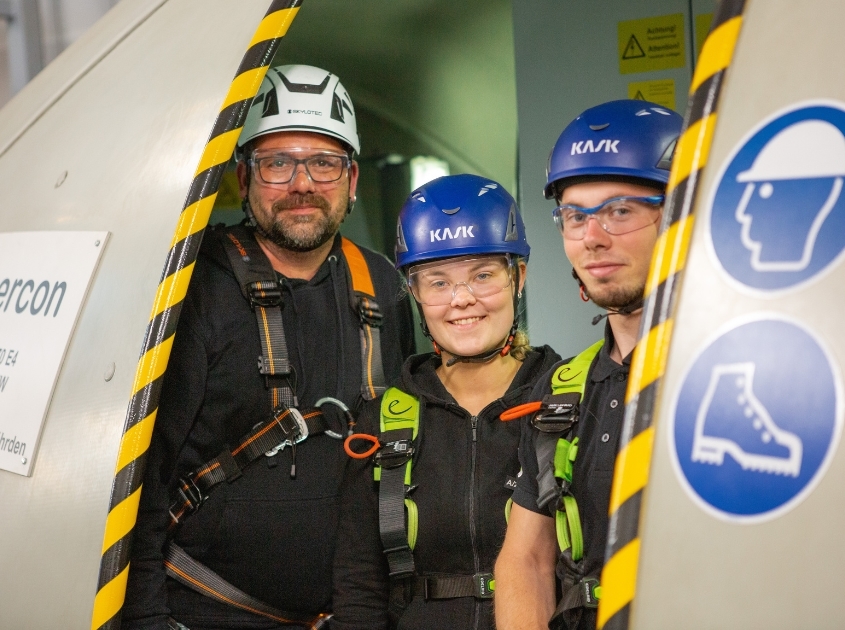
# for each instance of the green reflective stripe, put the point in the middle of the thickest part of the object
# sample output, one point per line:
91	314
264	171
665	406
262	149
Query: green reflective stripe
572	377
568	378
573	518
413	520
565	452
508	507
401	411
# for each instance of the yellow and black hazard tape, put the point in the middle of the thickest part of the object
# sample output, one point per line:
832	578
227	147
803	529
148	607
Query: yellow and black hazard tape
619	577
141	414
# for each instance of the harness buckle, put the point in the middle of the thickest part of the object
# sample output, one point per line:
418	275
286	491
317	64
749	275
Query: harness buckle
293	426
558	413
590	592
484	584
370	313
265	294
190	493
394	454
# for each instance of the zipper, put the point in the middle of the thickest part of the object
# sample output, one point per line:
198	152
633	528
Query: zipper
472	529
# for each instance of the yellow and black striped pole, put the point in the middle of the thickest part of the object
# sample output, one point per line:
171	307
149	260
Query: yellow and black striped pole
141	414
619	577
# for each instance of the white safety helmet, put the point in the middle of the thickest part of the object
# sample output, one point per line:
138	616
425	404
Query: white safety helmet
301	98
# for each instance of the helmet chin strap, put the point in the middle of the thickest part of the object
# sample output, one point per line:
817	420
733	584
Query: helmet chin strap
629	308
482	357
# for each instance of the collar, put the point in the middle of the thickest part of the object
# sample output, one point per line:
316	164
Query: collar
604	365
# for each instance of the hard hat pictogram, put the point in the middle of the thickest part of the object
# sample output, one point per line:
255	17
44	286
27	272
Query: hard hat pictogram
790	171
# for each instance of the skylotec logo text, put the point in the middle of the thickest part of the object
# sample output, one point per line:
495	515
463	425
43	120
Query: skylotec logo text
608	146
462	231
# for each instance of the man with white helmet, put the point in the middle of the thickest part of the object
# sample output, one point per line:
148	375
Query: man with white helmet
286	329
607	172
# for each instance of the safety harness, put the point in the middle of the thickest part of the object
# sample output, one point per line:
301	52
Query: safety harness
287	425
392	454
556	447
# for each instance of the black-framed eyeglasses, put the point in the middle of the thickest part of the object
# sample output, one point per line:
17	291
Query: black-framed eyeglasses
616	216
281	167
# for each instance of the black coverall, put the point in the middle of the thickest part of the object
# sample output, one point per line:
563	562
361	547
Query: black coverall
271	536
598	431
463	469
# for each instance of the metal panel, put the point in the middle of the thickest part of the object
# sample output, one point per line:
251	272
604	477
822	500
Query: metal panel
698	568
106	138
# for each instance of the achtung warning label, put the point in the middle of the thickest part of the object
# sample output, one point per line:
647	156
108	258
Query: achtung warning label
656	43
661	92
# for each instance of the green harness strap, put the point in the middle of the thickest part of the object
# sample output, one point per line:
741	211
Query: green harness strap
399	425
567	379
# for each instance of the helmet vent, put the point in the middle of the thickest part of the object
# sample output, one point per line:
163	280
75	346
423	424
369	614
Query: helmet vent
511	234
401	246
665	162
487	188
305	88
599	127
337	108
450	212
271	105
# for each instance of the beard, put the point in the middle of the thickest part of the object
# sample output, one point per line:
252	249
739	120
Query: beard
616	298
301	233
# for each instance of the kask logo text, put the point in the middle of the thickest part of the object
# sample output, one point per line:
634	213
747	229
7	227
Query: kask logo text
445	234
608	146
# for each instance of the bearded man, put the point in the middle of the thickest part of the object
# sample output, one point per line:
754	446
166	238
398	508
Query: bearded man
285	330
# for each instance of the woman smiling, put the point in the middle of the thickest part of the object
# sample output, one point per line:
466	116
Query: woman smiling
423	508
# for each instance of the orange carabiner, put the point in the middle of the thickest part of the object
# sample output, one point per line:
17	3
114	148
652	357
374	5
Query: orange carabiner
520	410
361	436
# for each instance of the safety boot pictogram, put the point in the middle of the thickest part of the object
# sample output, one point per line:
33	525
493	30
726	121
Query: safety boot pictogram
731	419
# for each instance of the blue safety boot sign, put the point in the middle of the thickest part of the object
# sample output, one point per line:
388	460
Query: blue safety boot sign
777	217
757	420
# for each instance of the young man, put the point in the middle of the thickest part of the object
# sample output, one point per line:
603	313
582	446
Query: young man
608	172
284	325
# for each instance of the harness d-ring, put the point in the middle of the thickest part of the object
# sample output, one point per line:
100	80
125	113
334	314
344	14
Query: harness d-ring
361	436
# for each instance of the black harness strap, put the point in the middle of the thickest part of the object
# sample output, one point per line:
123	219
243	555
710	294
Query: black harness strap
480	586
287	427
261	288
196	576
396	452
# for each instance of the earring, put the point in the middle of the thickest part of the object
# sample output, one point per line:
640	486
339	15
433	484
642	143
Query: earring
519	294
583	291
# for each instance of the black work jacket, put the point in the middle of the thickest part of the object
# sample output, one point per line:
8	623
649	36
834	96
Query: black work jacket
598	430
269	535
463	478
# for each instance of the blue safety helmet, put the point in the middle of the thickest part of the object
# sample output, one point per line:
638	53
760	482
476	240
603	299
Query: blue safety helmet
627	140
458	215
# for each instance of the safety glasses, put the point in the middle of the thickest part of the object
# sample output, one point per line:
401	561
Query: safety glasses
616	216
280	167
437	283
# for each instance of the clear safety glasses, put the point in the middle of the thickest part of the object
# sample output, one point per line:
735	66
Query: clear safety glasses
619	215
280	167
437	283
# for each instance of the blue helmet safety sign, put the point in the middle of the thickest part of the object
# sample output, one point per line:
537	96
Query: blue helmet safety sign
777	217
756	420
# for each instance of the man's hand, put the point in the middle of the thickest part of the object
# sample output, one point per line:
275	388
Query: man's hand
525	572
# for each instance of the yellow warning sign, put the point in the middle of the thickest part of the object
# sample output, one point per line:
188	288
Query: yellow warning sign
661	92
702	29
656	43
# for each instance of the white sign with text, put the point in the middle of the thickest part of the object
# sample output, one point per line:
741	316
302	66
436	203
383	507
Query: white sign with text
44	278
